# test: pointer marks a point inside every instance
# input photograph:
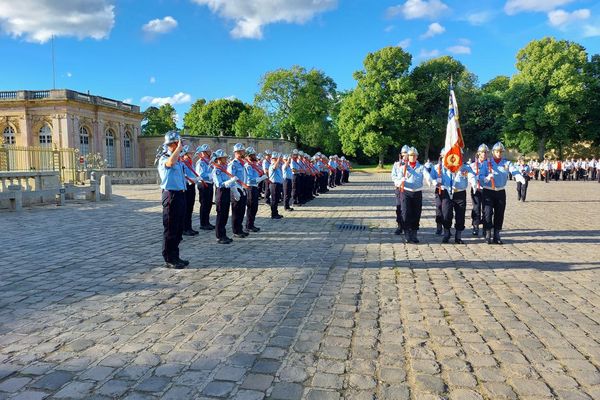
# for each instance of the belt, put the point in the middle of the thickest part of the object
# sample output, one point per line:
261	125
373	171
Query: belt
412	190
497	189
174	191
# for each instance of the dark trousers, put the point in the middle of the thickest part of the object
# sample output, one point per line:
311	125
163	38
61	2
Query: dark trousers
439	219
323	179
222	199
399	209
267	192
238	209
275	190
205	194
295	191
522	189
455	208
174	208
287	193
332	178
477	211
190	201
494	204
252	206
412	205
338	177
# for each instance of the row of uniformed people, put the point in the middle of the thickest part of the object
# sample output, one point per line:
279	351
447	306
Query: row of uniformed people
487	178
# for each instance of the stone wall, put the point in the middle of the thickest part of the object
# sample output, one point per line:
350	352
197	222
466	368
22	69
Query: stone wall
149	144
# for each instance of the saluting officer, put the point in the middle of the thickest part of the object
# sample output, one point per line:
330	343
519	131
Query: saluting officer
173	184
411	196
452	189
276	177
238	203
205	188
190	192
477	189
222	183
266	164
397	173
493	176
288	177
254	176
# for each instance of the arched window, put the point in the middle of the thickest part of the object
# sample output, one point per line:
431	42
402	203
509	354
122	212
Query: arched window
84	141
45	136
110	148
8	136
127	154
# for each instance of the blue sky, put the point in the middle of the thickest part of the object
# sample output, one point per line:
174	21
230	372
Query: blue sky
152	51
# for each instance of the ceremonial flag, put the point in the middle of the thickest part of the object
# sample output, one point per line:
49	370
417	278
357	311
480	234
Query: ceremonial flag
453	158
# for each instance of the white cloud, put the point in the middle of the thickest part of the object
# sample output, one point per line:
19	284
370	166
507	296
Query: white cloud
459	49
464	41
404	43
516	6
434	29
250	16
414	9
39	20
562	18
152	80
428	54
157	26
179	98
69	74
128	100
591	30
479	18
389	28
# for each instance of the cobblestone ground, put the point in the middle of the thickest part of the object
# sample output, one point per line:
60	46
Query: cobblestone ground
302	309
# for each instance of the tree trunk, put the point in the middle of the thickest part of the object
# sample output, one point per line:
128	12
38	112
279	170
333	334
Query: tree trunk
380	163
542	147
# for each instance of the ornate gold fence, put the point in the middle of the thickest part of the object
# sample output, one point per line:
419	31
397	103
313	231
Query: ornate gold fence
18	158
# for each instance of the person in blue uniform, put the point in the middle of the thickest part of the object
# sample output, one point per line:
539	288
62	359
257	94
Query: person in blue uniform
190	192
493	176
288	177
254	176
452	189
266	164
397	173
524	170
238	203
411	196
173	184
439	216
206	187
477	189
276	178
222	183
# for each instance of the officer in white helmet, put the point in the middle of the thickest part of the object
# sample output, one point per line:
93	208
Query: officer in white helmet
477	189
223	184
238	201
398	171
254	176
206	188
494	176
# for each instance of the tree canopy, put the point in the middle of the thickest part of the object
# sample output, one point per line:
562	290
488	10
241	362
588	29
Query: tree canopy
158	121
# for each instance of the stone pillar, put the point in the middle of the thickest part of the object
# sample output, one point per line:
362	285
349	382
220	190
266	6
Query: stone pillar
16	204
105	187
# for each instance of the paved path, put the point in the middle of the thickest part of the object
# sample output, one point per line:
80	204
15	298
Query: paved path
302	309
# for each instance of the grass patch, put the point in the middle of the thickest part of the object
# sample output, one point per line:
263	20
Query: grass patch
372	169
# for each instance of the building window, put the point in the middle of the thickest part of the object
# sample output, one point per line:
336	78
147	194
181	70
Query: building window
8	136
84	141
127	150
45	136
110	148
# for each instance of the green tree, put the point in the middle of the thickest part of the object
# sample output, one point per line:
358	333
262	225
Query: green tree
591	120
192	120
158	121
545	102
431	84
375	115
253	123
299	104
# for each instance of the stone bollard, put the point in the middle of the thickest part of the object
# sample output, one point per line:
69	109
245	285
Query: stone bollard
105	187
61	195
94	190
16	203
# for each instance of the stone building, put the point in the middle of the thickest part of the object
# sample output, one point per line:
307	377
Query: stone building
69	119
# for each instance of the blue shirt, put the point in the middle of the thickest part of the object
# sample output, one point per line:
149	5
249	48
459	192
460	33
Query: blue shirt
219	177
266	164
500	171
275	174
333	164
236	169
453	182
287	171
251	175
296	167
414	176
171	178
204	169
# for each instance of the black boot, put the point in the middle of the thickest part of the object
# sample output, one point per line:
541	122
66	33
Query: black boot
413	236
458	237
475	231
399	230
438	231
407	235
497	239
488	236
446	237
